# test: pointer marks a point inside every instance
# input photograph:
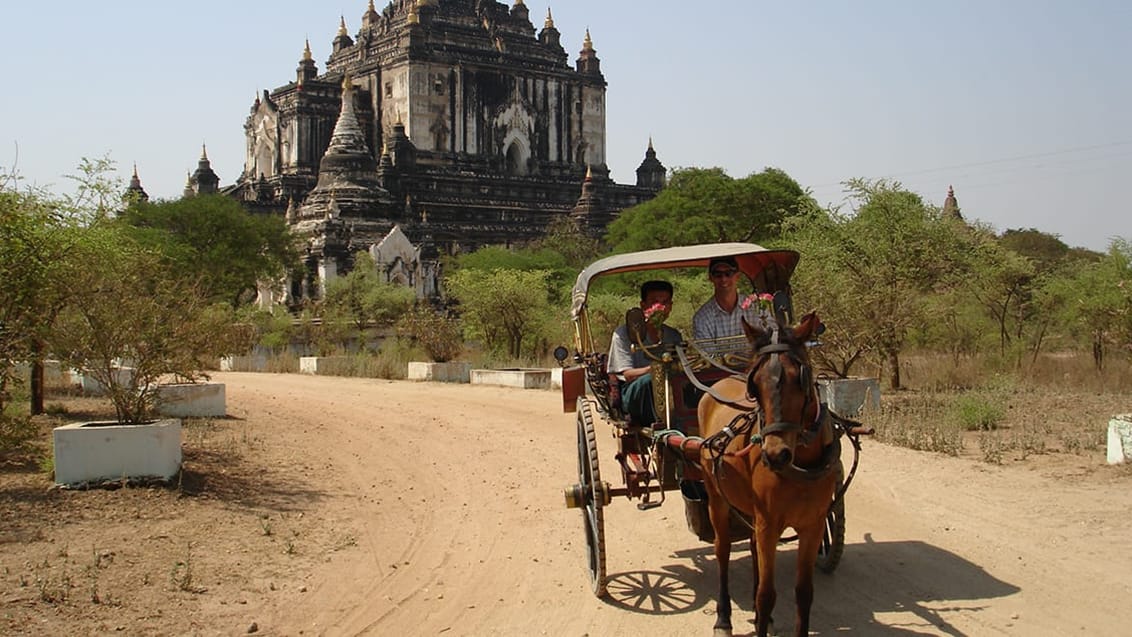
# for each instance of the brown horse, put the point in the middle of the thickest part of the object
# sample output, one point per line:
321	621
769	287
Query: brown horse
781	475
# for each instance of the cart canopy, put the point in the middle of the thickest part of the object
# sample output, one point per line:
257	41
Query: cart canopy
768	270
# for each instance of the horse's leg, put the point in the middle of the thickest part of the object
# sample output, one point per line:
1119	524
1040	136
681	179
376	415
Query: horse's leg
720	514
766	541
808	544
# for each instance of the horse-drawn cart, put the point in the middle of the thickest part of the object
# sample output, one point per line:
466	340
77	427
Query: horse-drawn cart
656	458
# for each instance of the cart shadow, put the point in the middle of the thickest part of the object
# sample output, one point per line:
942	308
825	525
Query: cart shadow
903	580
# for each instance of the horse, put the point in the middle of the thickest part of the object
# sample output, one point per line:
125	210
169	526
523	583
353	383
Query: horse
782	475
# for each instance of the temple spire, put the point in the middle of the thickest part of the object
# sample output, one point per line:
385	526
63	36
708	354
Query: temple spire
951	205
135	192
588	62
307	70
204	180
651	173
549	24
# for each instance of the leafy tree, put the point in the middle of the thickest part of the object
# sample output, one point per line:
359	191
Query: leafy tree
29	243
560	275
1001	280
436	331
1097	299
97	192
705	205
213	236
364	298
504	307
125	304
37	231
1045	250
271	328
869	273
566	238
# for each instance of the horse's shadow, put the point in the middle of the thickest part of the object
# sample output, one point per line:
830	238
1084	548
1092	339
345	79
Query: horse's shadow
872	580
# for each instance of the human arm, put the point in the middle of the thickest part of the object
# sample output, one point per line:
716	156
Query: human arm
621	359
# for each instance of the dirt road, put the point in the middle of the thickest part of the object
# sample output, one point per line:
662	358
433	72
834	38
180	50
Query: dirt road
452	497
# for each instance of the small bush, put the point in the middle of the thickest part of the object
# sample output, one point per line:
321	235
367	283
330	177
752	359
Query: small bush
993	447
974	412
437	333
16	433
918	422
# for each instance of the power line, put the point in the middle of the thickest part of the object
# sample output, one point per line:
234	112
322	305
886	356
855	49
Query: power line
990	162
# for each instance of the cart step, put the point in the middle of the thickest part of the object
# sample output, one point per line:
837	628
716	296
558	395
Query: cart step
645	506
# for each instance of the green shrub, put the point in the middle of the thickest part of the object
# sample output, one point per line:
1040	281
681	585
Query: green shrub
16	433
974	412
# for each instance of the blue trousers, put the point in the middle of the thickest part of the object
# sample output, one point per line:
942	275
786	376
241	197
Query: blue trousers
636	400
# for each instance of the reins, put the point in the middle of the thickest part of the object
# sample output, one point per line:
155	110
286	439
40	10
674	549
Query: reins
743	424
687	366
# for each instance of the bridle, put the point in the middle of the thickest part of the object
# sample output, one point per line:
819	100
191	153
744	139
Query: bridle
773	422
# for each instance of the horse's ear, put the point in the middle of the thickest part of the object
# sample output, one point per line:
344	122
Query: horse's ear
753	332
807	327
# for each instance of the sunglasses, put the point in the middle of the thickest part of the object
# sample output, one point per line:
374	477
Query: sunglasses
719	274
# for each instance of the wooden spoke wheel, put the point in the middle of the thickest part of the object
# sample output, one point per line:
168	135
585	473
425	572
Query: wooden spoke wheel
594	493
833	540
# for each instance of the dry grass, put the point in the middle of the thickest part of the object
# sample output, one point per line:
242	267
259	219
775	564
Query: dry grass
154	546
1060	404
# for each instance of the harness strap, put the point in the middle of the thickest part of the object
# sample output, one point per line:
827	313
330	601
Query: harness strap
745	405
711	359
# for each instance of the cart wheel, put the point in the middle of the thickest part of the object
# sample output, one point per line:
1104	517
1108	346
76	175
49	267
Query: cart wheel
833	540
594	492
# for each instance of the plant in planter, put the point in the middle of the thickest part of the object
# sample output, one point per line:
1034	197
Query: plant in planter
128	305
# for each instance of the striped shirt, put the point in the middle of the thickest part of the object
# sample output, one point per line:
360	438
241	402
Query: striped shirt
712	321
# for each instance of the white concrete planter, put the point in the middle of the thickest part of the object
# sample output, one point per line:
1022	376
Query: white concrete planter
1120	439
124	376
256	363
324	365
192	400
93	451
849	396
450	372
520	378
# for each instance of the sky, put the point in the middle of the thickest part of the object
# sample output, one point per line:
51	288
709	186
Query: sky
1024	106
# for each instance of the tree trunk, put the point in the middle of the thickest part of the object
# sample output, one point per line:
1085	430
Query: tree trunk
1098	351
894	369
37	389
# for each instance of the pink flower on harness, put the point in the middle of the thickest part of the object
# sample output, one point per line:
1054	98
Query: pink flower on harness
765	301
656	314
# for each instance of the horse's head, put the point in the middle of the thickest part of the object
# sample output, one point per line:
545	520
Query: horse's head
781	381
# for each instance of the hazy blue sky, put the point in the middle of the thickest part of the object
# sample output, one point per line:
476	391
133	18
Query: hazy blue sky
1025	106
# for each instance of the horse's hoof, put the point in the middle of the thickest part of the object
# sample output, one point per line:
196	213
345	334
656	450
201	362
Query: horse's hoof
721	632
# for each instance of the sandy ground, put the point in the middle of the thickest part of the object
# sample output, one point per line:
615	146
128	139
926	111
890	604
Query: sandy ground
337	506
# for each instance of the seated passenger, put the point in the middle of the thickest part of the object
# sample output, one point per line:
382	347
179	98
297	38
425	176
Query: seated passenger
632	368
721	315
